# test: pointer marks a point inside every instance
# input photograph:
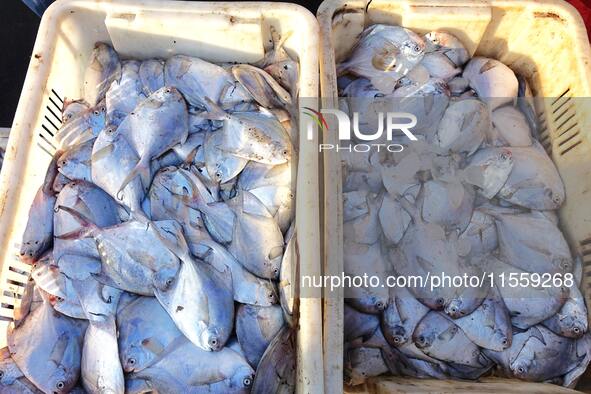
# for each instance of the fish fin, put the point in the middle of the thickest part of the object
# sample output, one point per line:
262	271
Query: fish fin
87	225
102	153
59	349
490	64
214	111
448	334
142	168
83	137
536	333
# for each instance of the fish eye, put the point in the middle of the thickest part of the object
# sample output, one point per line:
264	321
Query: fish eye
169	282
521	370
397	339
271	296
453	309
247	382
439	301
285	152
576	330
275	271
218	175
504	341
380	305
96	112
103	109
131	361
60	385
167	90
421	339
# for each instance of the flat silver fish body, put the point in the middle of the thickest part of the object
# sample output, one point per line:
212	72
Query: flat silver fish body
534	182
151	74
493	81
38	235
256	136
225	371
274	186
113	159
75	163
402	315
247	288
365	229
439	337
489	326
146	333
440	66
199	300
447	44
532	242
101	371
289	277
360	259
168	184
197	79
463	127
358	324
512	126
481	234
103	68
255	328
77	258
221	165
47	349
125	93
262	87
157	124
257	241
82	126
527	306
448	204
571	320
363	363
384	54
276	372
547	357
489	169
13	381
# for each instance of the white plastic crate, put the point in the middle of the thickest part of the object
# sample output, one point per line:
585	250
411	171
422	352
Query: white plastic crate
543	40
217	32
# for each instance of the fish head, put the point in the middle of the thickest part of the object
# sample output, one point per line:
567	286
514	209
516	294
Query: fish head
97	118
554	197
212	339
424	338
455	308
520	367
281	153
274	259
266	294
413	48
166	94
73	109
61	381
501	339
33	247
165	278
397	335
9	372
243	378
135	358
573	325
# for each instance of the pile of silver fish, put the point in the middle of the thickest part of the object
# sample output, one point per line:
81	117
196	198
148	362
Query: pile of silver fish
161	232
475	194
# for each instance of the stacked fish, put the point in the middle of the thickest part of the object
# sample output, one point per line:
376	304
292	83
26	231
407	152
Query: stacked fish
160	233
475	194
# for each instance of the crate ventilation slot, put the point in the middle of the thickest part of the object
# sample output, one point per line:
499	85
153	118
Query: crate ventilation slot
14	285
586	256
52	122
566	122
544	136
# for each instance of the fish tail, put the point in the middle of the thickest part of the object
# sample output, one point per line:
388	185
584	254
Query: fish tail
87	225
142	169
214	111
